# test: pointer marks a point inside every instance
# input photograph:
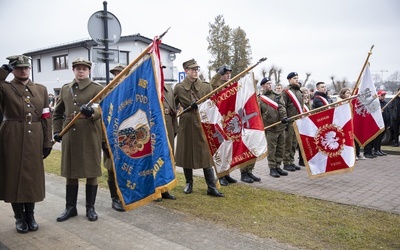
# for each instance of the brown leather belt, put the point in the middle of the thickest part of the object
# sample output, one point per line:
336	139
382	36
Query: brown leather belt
71	116
22	118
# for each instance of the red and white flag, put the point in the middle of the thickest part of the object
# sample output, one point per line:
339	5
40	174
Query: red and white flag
158	67
326	141
368	120
233	126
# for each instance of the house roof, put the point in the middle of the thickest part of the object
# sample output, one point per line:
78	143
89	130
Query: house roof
88	43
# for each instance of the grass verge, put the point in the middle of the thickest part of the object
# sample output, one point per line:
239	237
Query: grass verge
296	220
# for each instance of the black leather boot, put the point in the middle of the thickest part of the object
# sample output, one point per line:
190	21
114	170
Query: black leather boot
70	208
281	172
255	178
274	173
30	219
168	195
20	220
223	181
189	180
230	179
91	192
244	176
115	201
210	180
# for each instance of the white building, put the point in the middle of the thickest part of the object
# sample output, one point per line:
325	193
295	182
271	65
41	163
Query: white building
52	66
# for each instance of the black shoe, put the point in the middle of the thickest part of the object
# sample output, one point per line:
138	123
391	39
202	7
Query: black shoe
369	156
255	178
214	192
274	173
383	153
168	195
223	181
30	221
68	213
230	179
117	205
289	168
396	144
301	163
281	172
21	225
296	167
246	178
91	214
188	189
377	153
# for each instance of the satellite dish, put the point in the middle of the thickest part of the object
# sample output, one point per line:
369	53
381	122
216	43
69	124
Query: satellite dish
96	28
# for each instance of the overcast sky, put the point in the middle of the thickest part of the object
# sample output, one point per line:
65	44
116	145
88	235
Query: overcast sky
325	38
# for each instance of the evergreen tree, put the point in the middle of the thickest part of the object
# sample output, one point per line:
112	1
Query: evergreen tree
228	46
241	54
219	43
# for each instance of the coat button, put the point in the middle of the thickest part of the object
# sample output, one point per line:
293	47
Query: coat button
29	131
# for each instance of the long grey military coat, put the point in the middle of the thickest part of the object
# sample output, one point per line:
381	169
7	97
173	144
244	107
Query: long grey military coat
191	149
81	144
21	142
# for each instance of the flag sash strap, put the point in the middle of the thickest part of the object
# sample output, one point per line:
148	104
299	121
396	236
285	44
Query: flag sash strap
296	102
323	99
305	108
269	101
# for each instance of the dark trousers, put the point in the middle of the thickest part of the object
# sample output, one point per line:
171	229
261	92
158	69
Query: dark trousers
396	125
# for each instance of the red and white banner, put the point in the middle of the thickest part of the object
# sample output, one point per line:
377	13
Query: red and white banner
326	141
233	126
368	120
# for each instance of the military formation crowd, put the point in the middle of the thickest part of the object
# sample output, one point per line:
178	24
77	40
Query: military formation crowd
32	123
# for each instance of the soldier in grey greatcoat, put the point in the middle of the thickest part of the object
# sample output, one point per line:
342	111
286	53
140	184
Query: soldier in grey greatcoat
82	143
192	150
25	141
222	76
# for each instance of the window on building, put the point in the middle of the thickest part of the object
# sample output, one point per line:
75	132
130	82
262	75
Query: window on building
124	57
39	65
60	62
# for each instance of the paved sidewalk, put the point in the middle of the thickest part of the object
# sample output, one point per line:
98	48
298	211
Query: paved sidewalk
374	183
148	227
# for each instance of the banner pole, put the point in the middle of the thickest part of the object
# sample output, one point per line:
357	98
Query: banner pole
223	85
391	100
112	84
314	111
362	71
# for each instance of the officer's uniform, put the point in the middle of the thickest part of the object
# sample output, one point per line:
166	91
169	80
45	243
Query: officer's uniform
192	150
82	143
25	134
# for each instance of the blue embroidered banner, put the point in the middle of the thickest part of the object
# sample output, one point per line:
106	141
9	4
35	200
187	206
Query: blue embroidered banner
137	137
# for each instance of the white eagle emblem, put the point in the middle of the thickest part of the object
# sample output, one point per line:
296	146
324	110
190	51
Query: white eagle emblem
330	141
